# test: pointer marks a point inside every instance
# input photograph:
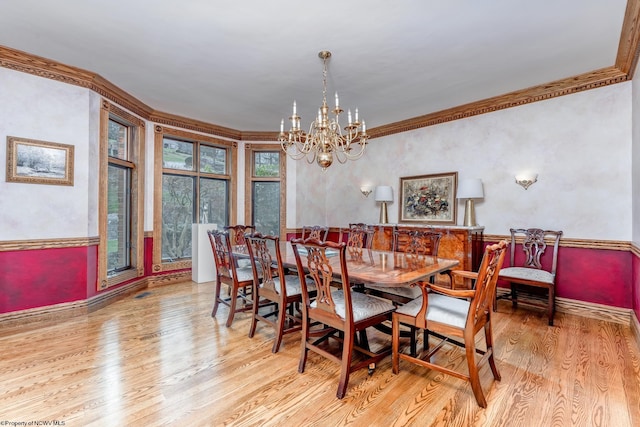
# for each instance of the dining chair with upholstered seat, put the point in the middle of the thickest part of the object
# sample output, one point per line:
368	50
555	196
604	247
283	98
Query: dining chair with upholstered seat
455	316
533	269
417	243
339	313
319	232
237	239
237	233
272	284
238	279
357	235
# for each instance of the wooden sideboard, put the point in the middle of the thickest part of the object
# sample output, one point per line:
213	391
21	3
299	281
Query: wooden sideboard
457	242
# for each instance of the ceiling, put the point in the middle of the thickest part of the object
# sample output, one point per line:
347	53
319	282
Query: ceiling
241	64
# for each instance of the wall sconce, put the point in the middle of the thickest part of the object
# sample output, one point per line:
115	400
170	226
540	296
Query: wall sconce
526	179
384	194
365	190
470	189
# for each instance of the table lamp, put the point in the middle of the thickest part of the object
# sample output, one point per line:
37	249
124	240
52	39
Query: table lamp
384	194
470	189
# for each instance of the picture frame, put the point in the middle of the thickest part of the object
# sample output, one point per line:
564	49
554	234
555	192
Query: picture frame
39	162
429	199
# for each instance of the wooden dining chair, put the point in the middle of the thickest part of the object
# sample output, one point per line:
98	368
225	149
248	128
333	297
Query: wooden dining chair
319	232
272	284
533	269
415	244
237	233
238	279
340	313
357	236
455	316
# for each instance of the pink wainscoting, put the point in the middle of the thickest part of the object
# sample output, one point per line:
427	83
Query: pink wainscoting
636	285
37	278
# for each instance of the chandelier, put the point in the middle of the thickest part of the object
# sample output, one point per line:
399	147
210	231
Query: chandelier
325	139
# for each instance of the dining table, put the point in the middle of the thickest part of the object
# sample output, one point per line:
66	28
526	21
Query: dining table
384	268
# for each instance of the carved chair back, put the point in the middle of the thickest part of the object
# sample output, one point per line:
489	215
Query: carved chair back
315	232
237	233
534	246
319	268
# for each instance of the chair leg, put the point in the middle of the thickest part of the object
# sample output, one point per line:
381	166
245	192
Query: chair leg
395	344
280	324
232	305
474	377
304	350
552	305
254	314
488	334
345	368
514	295
216	301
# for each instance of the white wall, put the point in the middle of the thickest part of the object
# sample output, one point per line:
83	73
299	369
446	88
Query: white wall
579	145
43	109
636	157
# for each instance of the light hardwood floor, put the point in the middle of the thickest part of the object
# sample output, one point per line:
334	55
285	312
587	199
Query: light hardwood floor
158	358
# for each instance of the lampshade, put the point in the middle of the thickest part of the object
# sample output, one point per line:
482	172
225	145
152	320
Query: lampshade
384	193
470	189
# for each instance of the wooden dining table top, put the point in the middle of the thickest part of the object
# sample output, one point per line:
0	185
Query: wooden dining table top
380	267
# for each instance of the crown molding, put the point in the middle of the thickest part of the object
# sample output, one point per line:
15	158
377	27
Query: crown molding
622	70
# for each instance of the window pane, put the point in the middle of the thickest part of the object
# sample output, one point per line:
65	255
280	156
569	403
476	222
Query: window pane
118	219
117	138
214	199
177	216
266	163
213	160
266	207
177	154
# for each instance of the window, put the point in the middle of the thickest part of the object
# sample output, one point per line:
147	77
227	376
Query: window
266	189
121	236
194	173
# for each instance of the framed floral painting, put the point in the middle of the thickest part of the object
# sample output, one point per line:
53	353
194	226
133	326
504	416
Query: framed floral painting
429	198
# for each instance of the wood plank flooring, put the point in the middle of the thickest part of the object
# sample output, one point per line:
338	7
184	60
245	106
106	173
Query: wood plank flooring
158	358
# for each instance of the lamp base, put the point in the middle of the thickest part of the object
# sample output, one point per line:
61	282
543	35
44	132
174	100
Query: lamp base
384	219
469	214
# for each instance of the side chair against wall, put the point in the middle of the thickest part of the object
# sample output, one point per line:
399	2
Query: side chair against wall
339	313
456	316
533	271
275	286
319	232
238	279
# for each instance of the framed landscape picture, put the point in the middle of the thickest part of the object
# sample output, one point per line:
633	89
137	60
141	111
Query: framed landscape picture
39	162
429	198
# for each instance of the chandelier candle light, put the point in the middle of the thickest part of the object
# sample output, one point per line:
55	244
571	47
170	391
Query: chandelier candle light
325	138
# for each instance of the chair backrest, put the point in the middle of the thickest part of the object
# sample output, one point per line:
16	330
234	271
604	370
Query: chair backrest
315	232
237	233
485	286
416	242
221	255
534	245
358	236
320	270
260	248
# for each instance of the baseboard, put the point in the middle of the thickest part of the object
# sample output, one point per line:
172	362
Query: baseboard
586	309
55	313
168	279
635	327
